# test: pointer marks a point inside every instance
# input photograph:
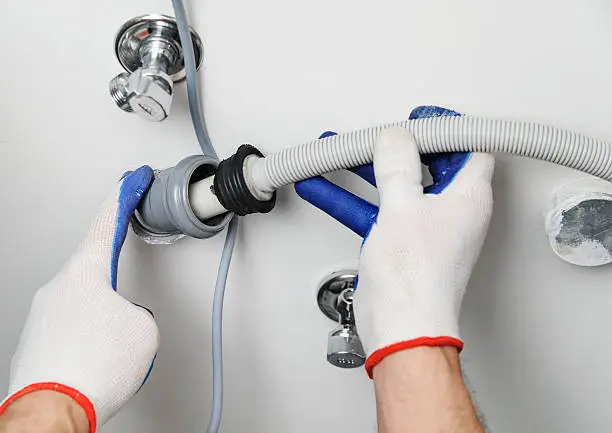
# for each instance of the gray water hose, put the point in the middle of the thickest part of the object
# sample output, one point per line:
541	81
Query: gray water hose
217	328
184	174
434	135
240	185
193	90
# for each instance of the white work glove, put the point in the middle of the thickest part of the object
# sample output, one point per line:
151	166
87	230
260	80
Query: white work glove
81	338
417	260
420	247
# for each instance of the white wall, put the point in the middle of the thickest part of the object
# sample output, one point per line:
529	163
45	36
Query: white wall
277	73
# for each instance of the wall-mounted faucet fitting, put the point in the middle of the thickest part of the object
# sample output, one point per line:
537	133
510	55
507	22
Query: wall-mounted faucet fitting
150	50
335	299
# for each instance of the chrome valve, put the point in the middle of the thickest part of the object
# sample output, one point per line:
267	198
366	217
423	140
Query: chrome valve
335	299
150	50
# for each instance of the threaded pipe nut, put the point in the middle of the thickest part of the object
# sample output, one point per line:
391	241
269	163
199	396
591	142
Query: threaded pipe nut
118	88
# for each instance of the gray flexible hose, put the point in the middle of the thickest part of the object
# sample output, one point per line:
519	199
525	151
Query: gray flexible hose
217	327
199	125
193	93
433	135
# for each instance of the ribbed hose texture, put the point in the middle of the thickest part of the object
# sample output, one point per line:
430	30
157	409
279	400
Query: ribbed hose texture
435	135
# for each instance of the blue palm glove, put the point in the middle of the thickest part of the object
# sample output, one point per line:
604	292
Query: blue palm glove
358	214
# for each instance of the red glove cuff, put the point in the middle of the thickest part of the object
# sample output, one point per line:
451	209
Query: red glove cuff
81	400
382	353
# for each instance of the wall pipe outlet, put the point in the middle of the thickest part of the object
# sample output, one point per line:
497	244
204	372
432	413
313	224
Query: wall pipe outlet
166	212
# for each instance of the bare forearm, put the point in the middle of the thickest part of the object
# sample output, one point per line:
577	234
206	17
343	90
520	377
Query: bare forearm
421	390
44	412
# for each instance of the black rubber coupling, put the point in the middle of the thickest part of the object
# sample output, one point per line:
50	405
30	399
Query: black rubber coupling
231	187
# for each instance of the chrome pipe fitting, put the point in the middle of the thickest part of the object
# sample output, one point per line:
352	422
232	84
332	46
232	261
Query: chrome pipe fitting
335	299
150	50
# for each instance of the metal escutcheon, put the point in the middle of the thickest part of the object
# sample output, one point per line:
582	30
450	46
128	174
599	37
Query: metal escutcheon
330	289
132	34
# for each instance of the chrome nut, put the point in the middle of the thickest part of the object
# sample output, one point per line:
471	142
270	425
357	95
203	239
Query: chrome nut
150	94
344	348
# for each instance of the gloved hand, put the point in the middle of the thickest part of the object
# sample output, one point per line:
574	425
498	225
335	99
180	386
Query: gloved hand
420	248
81	338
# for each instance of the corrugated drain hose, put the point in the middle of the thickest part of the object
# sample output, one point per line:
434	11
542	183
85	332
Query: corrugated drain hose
434	135
245	183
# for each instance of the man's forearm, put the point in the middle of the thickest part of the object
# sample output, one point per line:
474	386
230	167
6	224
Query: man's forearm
44	412
421	390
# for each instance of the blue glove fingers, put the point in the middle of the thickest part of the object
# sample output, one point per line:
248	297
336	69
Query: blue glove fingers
442	166
133	187
425	111
327	134
345	207
366	172
443	170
